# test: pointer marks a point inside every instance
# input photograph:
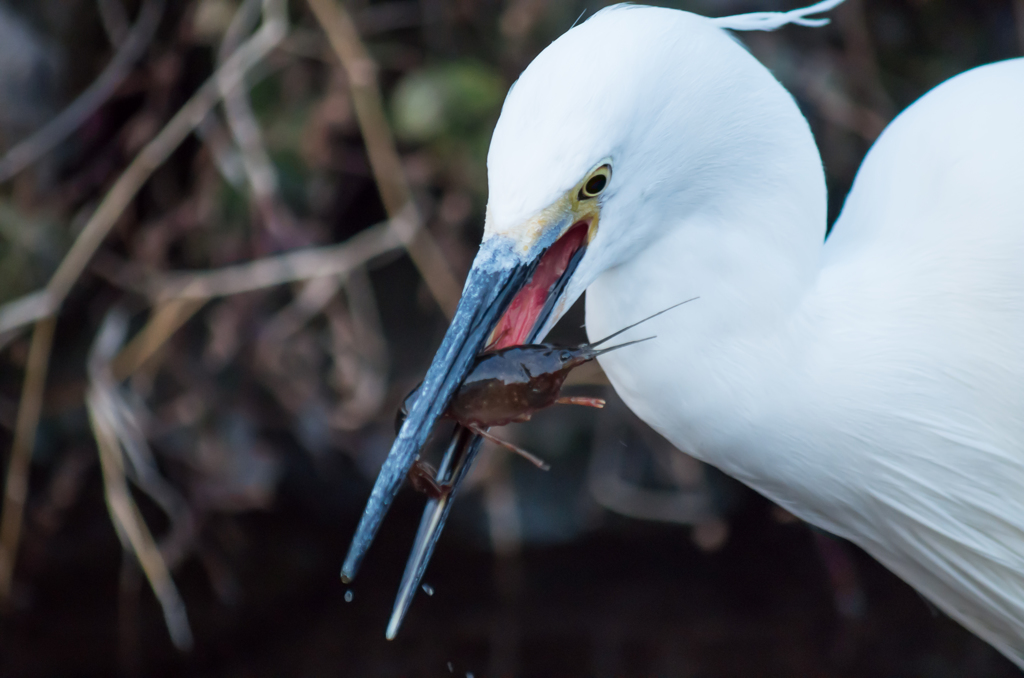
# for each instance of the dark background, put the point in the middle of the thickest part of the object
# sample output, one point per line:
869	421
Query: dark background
269	442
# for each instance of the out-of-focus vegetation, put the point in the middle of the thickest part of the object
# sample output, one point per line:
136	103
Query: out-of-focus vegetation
229	236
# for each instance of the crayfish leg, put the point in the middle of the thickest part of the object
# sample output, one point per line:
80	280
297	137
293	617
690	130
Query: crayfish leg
533	459
423	478
581	400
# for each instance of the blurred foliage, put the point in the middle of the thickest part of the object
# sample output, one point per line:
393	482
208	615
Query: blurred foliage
448	102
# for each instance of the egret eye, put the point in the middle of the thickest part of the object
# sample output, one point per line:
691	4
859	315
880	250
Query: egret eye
565	356
596	183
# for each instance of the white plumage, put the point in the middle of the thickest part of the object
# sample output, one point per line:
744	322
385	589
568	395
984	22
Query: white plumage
873	385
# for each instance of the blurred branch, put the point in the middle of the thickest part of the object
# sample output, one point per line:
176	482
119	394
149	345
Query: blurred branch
226	157
308	302
42	305
218	139
156	152
26	310
330	260
16	487
359	384
44	140
163	323
108	424
369	105
359	354
39	304
380	148
180	295
242	122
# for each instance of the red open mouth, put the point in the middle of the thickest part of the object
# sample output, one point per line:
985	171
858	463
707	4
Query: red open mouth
520	318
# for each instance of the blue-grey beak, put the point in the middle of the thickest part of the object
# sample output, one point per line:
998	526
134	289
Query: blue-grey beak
492	285
485	297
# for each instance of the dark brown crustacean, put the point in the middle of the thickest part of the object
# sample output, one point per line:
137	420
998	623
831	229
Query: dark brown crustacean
507	386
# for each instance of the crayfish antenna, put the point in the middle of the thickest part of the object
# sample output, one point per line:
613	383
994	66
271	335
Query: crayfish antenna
639	322
628	343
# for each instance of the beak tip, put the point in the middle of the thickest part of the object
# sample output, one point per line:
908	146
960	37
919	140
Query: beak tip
393	625
351	565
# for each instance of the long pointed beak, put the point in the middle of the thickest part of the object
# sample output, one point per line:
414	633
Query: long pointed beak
458	459
495	280
485	297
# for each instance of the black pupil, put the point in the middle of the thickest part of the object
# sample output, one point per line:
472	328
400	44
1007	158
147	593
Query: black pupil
596	184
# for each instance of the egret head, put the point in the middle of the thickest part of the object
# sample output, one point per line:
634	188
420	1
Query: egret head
579	147
639	121
634	120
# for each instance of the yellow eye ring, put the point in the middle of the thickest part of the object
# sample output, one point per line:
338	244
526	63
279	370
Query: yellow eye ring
597	182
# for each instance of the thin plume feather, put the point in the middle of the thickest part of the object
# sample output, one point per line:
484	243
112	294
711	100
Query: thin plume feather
769	21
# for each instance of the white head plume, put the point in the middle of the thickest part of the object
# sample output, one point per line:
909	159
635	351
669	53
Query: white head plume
769	21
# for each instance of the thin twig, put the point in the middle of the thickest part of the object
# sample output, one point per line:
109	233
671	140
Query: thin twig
359	354
42	306
264	191
226	157
39	304
369	105
116	435
16	487
131	50
218	139
181	295
241	120
131	527
165	321
156	153
296	265
26	310
308	302
380	148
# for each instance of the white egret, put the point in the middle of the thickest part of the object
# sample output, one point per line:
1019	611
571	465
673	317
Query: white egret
871	384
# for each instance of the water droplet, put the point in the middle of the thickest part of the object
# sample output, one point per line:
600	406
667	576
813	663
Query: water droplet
348	596
428	589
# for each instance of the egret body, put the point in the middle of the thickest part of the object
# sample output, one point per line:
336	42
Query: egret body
871	383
